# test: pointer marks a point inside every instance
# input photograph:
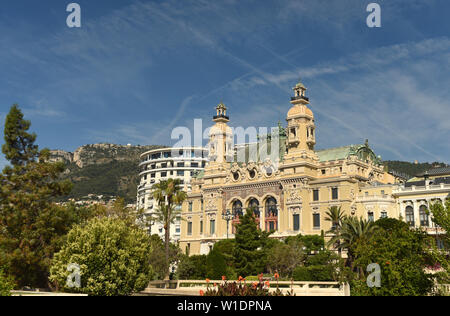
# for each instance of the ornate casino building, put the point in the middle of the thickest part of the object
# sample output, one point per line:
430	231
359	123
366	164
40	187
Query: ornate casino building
290	191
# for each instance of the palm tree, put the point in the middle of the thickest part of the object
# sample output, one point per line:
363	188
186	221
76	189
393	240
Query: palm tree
336	217
169	196
353	229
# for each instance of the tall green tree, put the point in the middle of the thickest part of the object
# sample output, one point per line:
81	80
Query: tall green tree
248	257
170	196
19	147
441	217
336	216
353	230
403	255
31	225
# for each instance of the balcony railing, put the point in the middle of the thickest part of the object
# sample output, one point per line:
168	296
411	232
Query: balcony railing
221	116
300	97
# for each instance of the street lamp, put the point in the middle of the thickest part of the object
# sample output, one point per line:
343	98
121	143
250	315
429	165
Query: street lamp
227	216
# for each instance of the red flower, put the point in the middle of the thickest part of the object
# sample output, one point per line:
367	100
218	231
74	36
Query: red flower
388	263
240	279
202	293
224	278
207	280
277	276
267	283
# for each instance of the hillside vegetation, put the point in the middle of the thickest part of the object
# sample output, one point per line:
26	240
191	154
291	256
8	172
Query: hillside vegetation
411	169
103	169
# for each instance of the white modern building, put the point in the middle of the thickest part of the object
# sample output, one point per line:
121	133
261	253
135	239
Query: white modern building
162	164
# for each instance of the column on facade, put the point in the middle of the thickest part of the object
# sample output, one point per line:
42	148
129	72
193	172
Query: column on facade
416	207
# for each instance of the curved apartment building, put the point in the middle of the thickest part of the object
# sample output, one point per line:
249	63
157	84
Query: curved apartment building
162	164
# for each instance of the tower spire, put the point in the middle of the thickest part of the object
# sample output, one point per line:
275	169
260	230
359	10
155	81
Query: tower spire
221	114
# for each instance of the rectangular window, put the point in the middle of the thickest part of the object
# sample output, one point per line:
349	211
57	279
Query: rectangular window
212	227
201	227
370	217
189	229
271	226
316	195
164	165
296	222
180	173
180	165
316	221
163	174
194	164
334	194
190	206
384	215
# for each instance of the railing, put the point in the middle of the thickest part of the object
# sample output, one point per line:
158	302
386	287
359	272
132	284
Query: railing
300	98
221	116
423	187
193	287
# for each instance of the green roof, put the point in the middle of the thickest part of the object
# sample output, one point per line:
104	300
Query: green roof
337	153
363	152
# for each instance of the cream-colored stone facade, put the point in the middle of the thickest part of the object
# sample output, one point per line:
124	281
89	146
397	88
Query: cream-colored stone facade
289	195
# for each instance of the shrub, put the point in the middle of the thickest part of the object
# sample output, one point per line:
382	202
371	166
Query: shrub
314	273
192	268
216	265
113	258
6	285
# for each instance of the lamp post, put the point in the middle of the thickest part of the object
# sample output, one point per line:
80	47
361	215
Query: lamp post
227	216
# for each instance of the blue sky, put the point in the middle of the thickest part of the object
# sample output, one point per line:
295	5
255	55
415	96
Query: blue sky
137	69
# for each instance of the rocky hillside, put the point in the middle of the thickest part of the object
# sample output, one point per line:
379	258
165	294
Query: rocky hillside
103	169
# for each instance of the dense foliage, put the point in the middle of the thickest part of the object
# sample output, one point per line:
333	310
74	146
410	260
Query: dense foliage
402	253
192	268
116	178
158	258
32	227
6	284
441	216
248	256
113	258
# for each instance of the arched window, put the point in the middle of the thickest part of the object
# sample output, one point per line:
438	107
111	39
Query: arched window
237	213
254	206
271	214
423	213
237	209
409	213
